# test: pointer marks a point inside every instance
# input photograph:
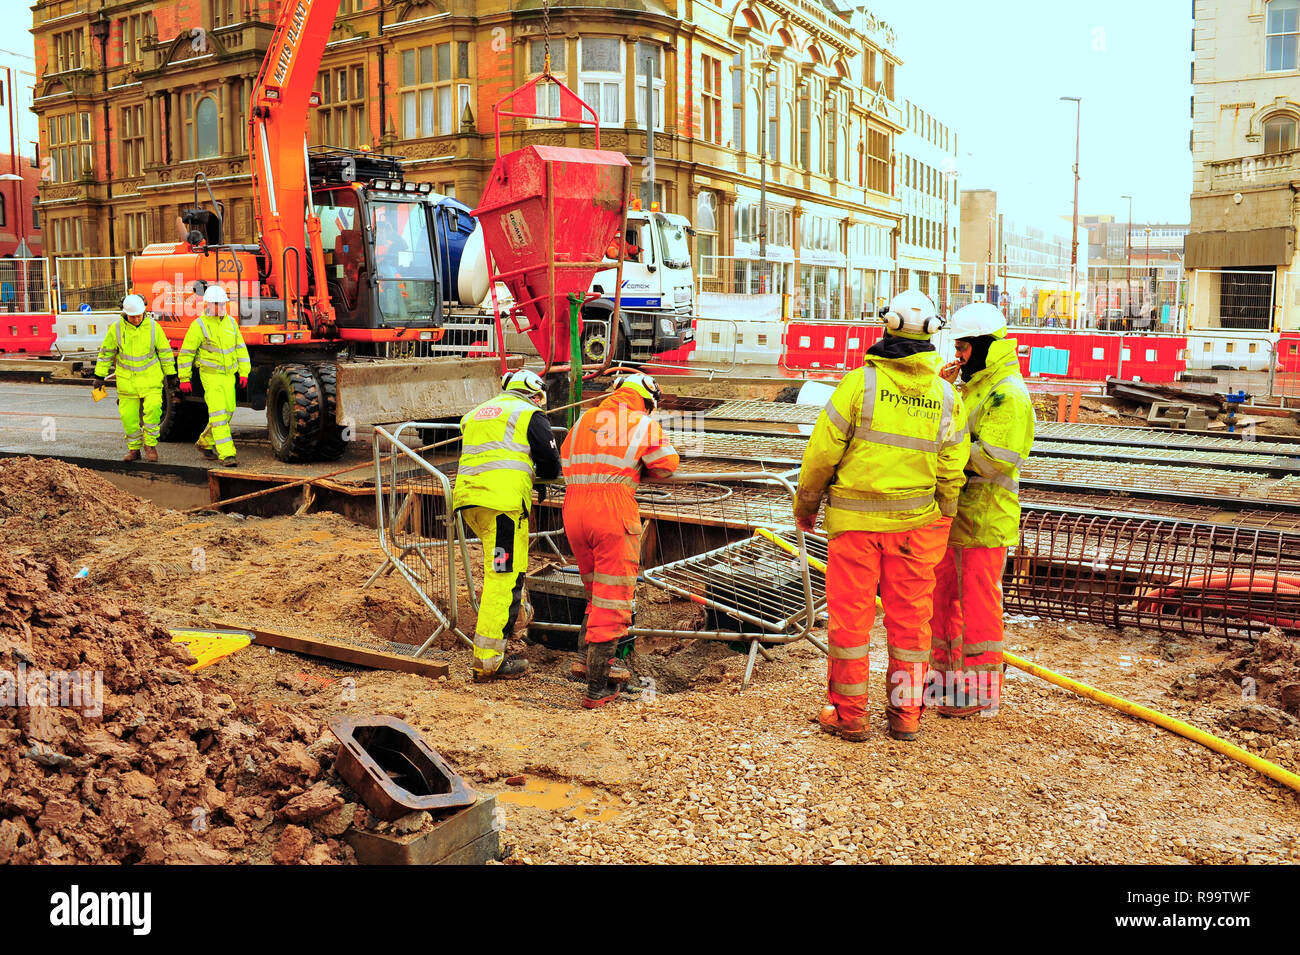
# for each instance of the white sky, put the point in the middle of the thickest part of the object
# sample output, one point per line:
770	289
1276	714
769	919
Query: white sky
994	72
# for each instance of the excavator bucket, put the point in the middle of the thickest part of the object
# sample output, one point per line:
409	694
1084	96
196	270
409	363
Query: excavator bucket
384	392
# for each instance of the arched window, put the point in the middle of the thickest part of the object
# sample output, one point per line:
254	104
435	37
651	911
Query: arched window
1281	33
1280	133
706	231
207	129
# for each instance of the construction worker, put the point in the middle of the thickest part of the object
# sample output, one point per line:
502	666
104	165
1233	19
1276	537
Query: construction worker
889	447
214	343
507	444
144	358
966	653
605	455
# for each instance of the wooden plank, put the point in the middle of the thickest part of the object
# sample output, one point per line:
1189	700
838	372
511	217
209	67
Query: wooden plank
377	659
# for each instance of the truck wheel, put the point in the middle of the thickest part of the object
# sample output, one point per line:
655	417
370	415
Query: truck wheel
595	345
293	412
330	442
182	420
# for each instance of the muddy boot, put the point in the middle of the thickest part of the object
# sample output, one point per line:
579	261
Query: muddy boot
132	455
151	454
230	462
599	691
511	668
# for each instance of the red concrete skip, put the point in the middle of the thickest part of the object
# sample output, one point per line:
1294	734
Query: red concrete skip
28	332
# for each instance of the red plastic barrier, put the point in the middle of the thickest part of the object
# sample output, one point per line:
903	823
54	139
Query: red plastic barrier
827	345
1288	353
28	332
1095	357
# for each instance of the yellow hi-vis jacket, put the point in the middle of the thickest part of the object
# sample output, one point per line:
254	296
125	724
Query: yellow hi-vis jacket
889	446
1001	418
496	464
214	343
142	355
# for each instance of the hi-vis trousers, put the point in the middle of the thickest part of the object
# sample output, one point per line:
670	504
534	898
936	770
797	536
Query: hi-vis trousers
505	560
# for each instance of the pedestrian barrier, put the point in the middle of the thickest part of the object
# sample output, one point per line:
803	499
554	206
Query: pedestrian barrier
26	333
827	346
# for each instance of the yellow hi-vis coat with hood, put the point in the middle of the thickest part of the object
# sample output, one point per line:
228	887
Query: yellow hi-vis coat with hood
496	463
1001	419
889	446
141	353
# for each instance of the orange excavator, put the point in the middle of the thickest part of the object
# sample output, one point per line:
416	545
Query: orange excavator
354	269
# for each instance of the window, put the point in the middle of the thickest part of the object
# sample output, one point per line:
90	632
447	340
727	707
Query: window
878	161
222	13
36	213
654	56
427	97
1281	27
3	217
137	230
711	99
201	122
805	131
68	136
67	49
600	61
869	69
706	232
341	118
889	80
130	137
738	138
133	30
1279	134
549	104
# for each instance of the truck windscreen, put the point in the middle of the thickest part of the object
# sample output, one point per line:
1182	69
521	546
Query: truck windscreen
677	252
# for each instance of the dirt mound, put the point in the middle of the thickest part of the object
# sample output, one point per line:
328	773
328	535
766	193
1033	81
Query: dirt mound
48	506
1267	680
112	751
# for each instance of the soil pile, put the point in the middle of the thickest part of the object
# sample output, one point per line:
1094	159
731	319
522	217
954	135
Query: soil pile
1267	680
112	751
47	506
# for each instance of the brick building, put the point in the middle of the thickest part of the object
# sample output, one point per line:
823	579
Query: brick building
135	97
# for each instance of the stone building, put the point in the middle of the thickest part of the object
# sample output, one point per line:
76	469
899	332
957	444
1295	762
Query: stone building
135	97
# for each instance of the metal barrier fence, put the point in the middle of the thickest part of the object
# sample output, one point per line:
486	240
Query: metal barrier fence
93	283
24	285
1234	298
746	275
1136	298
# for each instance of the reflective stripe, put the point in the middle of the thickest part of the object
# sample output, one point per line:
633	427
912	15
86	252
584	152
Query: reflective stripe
605	603
957	438
496	446
481	642
576	479
865	432
1005	455
849	653
613	580
889	504
494	466
908	656
849	689
609	460
838	420
1001	480
988	646
221	441
588	578
658	454
902	441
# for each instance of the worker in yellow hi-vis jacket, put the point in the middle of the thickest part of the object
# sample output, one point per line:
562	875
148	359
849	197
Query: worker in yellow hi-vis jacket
143	356
213	342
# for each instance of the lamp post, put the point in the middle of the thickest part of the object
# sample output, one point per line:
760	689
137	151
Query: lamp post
949	179
764	66
1074	229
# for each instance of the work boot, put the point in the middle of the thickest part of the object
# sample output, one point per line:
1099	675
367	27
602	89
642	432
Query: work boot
904	728
132	455
599	691
230	462
511	668
207	452
151	454
854	730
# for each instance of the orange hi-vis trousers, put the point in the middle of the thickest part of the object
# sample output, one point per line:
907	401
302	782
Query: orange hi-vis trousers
604	530
902	564
966	652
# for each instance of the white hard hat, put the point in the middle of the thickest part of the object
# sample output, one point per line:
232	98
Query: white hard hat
133	305
643	385
523	381
911	314
215	295
976	319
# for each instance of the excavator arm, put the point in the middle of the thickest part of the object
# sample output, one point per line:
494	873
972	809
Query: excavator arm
282	98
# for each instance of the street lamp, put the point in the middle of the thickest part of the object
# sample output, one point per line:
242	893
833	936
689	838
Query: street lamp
764	66
1128	234
950	189
1074	231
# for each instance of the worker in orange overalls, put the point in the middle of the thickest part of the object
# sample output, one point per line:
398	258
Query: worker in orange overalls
603	457
966	654
889	447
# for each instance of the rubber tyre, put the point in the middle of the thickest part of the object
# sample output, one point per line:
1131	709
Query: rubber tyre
330	442
182	420
293	412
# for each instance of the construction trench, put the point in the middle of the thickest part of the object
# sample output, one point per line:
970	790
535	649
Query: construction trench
1162	568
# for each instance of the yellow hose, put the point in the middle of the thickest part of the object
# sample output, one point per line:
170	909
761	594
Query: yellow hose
1271	770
